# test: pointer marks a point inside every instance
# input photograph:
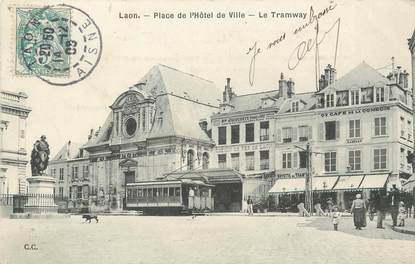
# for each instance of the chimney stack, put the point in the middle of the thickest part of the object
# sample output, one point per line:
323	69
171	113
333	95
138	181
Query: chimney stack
290	86
228	94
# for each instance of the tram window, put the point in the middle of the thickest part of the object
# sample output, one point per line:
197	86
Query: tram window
171	191
140	193
145	192
165	192
134	193
177	191
128	192
150	192
160	192
155	193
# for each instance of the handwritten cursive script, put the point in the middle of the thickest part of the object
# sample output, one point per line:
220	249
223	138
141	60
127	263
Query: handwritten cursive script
301	49
307	45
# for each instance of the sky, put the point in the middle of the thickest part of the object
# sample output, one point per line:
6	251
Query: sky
215	49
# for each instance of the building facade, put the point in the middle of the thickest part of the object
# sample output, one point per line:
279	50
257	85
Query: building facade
358	128
156	127
13	153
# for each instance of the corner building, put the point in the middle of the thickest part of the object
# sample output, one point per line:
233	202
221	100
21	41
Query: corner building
359	129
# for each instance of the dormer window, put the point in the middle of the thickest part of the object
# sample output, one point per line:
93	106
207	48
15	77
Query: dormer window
380	94
294	106
367	95
342	98
355	97
329	100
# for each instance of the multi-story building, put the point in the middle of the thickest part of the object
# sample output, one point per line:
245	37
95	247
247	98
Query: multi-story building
156	127
13	153
243	131
359	129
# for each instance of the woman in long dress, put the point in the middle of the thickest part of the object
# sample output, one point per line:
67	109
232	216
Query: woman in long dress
359	212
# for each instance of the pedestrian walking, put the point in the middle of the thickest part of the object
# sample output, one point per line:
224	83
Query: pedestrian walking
330	205
335	218
381	206
394	198
402	214
250	206
302	211
359	212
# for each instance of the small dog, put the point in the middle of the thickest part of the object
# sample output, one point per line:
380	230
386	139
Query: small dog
89	217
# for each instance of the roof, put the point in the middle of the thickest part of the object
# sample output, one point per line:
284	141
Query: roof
308	101
253	101
212	176
181	100
363	75
69	151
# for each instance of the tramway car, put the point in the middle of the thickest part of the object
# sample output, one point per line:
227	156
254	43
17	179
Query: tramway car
168	197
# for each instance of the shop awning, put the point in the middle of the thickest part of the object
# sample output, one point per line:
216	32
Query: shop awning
324	183
288	186
375	181
349	183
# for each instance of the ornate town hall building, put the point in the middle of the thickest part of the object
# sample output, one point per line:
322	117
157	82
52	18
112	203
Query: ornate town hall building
156	127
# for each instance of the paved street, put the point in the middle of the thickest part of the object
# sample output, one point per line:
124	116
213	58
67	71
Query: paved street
206	239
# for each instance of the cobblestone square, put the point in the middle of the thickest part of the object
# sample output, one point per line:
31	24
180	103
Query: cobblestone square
206	239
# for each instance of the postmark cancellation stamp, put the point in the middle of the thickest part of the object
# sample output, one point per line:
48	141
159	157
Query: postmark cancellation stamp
61	44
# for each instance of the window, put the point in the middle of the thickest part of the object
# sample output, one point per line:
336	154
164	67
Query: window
287	134
85	172
354	128
367	95
79	192
222	161
380	126
304	133
22	133
303	159
330	161
74	173
60	191
402	127
380	94
355	160
235	134
403	157
379	159
409	130
355	99
286	160
330	129
61	173
235	161
205	160
329	100
294	106
250	162
177	191
249	132
264	159
190	160
342	98
171	191
264	131
222	135
70	192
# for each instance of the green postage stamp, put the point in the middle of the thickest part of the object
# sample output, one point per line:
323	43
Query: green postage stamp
43	41
60	45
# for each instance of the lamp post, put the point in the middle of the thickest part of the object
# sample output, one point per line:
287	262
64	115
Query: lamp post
309	177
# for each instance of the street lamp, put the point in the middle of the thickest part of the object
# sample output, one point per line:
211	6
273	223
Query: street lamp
309	177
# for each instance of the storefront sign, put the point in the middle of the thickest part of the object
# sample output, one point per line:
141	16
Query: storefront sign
243	148
243	119
355	111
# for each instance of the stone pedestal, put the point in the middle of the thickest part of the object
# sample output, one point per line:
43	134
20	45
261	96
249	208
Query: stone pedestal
40	197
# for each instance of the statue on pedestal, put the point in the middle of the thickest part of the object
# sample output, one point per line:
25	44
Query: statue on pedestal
40	156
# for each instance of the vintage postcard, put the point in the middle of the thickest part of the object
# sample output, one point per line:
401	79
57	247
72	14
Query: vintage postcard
184	131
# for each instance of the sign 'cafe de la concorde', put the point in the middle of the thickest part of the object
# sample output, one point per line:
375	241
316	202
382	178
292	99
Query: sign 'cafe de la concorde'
172	123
